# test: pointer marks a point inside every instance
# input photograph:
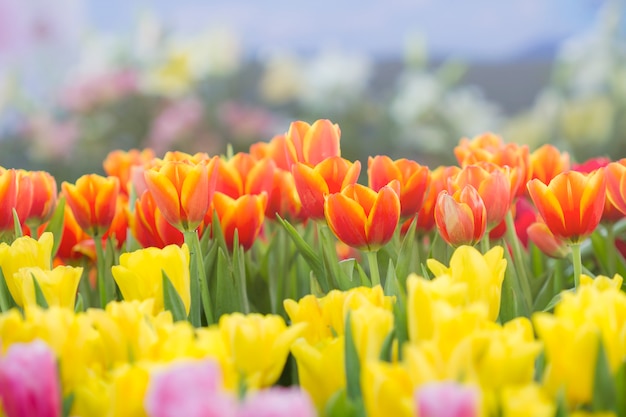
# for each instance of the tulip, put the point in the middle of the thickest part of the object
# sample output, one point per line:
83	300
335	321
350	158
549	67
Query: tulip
414	181
29	385
93	201
284	200
24	252
58	285
244	215
527	401
44	198
387	390
245	174
461	217
447	399
363	218
149	226
8	197
119	164
275	149
182	191
616	184
139	274
190	389
370	327
278	402
24	200
311	144
73	239
547	162
572	204
438	182
128	390
314	184
542	237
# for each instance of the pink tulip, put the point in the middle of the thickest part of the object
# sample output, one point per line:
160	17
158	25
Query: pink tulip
278	402
190	389
29	382
446	399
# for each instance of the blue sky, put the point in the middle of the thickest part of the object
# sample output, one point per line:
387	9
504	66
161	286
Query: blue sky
477	29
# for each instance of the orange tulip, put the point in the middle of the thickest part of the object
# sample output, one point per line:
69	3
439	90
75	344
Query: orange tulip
438	182
542	237
93	200
24	195
8	197
571	204
616	184
311	144
414	181
44	197
73	239
493	185
275	149
119	225
244	214
461	217
363	218
182	190
284	199
327	177
149	227
119	164
611	213
547	162
245	174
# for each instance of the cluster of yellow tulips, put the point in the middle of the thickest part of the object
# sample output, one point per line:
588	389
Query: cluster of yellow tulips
233	285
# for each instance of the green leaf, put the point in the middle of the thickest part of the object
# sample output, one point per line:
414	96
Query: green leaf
172	300
39	297
17	227
339	405
79	305
604	392
331	262
316	288
620	386
68	402
227	299
239	274
6	300
546	293
55	225
407	259
555	300
598	242
365	280
386	352
352	364
561	404
513	303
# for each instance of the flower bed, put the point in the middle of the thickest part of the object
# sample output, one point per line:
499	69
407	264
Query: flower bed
273	283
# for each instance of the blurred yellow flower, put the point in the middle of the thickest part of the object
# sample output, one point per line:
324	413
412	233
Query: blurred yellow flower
387	390
58	285
128	389
139	274
526	401
25	252
370	326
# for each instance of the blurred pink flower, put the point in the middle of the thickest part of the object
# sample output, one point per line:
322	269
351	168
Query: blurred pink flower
190	389
245	122
174	122
278	402
52	139
89	92
446	399
29	382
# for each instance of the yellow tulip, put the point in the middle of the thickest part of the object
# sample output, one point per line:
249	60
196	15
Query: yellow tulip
247	335
24	252
128	390
58	285
370	326
482	273
139	274
321	370
92	398
387	390
526	401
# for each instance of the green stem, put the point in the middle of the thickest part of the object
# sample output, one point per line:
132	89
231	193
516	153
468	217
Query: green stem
102	287
484	243
199	287
518	258
372	258
577	262
611	251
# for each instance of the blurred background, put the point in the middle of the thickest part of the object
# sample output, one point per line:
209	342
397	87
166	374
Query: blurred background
79	78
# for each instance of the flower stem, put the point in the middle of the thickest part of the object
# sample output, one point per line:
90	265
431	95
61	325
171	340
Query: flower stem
372	258
518	258
577	262
610	249
199	287
484	243
102	287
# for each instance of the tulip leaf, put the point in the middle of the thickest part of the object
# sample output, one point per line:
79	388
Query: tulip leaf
407	259
6	300
239	274
386	352
620	386
17	227
425	273
68	402
555	300
604	392
40	299
227	299
331	262
598	242
513	303
218	234
352	363
55	225
79	305
312	258
339	405
561	404
546	292
172	300
316	288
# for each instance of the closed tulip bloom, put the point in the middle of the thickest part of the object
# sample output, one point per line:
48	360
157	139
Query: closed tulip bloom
149	226
93	200
363	218
438	182
24	195
311	144
29	381
616	184
22	253
182	192
244	174
8	197
244	214
414	181
139	274
59	285
275	149
284	199
314	184
572	204
44	197
547	162
461	217
119	164
278	402
542	237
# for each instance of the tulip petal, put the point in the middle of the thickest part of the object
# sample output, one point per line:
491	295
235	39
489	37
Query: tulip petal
548	206
382	221
346	218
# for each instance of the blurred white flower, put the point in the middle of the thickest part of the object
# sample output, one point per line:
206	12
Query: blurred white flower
417	92
468	112
282	80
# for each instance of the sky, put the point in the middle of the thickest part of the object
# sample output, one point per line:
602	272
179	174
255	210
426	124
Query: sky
471	30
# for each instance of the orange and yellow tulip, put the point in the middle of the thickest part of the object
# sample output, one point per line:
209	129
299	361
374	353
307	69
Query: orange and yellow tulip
611	213
275	149
119	164
93	200
572	203
542	237
616	184
438	182
44	197
363	218
327	177
414	181
244	214
24	195
461	217
73	239
149	227
547	162
311	144
245	174
8	197
284	199
182	190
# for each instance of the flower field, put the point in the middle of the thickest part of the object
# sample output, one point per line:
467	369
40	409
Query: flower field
276	282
